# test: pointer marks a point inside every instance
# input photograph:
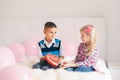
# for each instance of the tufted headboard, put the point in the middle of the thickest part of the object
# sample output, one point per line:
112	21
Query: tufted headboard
21	29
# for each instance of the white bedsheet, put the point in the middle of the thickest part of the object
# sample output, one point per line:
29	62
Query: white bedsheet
61	74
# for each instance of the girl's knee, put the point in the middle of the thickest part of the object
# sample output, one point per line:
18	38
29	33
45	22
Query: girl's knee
84	69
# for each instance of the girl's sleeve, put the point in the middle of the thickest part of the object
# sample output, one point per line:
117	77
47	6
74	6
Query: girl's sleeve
89	61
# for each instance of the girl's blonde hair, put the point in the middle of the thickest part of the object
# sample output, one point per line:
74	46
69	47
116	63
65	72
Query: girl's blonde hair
89	30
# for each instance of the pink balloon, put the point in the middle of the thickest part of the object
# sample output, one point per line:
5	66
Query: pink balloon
70	48
16	72
18	50
31	48
7	58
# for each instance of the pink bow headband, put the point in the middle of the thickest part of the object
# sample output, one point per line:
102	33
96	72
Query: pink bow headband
88	29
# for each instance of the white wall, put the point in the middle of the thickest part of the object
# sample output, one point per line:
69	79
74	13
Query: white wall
110	9
38	8
22	30
113	23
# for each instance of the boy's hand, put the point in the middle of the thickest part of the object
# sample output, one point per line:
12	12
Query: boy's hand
42	58
61	58
52	60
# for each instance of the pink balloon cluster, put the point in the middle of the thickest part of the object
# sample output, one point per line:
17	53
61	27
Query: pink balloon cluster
18	50
16	72
70	48
7	58
31	48
15	53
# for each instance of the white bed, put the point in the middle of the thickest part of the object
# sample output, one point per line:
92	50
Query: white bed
22	29
61	74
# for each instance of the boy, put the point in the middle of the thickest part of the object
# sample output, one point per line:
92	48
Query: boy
49	45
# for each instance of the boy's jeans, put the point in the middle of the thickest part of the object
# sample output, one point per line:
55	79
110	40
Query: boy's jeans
44	65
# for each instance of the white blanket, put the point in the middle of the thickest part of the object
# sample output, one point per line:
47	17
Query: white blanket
61	74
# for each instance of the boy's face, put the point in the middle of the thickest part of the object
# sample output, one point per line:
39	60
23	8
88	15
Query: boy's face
50	33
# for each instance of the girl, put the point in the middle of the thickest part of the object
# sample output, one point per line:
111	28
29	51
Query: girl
87	52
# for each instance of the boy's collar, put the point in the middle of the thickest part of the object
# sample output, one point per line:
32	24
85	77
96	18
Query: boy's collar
53	41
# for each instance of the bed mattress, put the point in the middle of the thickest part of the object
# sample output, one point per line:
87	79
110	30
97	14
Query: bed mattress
61	74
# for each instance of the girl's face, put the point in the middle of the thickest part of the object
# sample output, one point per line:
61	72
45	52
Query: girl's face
50	33
85	37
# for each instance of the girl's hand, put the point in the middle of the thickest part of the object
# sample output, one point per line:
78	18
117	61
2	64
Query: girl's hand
63	64
67	64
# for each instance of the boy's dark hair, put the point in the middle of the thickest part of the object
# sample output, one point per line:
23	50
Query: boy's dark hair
49	25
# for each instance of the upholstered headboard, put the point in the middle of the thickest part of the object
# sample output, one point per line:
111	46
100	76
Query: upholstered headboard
21	29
